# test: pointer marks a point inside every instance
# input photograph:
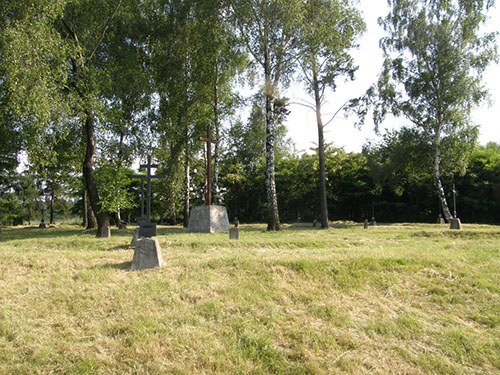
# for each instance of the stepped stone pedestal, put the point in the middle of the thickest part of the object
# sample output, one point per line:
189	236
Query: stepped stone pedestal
208	219
455	224
147	254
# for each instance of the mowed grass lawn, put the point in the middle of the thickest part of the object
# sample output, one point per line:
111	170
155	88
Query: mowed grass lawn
398	299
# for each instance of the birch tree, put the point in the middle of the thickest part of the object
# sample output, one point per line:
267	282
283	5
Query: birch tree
268	29
435	55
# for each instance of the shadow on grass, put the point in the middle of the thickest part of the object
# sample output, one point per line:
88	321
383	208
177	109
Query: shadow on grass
31	232
114	266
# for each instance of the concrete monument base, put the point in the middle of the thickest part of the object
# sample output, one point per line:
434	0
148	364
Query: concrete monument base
135	237
455	224
208	219
147	254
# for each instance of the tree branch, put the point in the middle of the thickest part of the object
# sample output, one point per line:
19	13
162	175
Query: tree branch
104	29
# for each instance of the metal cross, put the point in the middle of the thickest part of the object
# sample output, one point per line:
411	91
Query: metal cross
148	178
209	140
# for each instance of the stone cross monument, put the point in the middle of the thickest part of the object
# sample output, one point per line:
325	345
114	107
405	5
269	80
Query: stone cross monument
209	140
147	252
209	218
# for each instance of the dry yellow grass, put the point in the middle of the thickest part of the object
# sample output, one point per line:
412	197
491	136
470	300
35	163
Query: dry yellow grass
401	299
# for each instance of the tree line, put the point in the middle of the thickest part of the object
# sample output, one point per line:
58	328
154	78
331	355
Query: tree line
89	86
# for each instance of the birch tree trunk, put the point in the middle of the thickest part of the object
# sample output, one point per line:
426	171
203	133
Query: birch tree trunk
51	214
437	175
323	204
215	182
187	182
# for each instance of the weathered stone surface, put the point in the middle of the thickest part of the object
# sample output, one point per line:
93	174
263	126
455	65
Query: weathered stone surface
42	226
365	224
440	220
208	219
147	254
135	237
455	224
105	232
234	233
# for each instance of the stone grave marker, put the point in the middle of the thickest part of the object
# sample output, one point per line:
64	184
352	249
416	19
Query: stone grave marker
147	253
234	233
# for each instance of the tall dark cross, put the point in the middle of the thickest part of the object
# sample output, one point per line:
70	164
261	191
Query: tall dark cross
209	140
145	228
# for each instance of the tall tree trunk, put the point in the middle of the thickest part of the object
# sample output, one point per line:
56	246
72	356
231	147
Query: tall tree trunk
437	175
51	218
215	182
187	182
85	208
88	173
323	205
273	219
118	218
91	222
172	211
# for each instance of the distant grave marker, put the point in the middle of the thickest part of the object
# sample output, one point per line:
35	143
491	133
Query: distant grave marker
234	233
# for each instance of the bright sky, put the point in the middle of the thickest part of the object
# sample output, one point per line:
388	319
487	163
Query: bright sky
301	122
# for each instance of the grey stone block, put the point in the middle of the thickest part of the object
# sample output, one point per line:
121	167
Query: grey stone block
208	219
105	232
135	237
147	254
455	224
234	233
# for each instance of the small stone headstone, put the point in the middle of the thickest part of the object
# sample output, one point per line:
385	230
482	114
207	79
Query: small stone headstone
315	223
440	220
373	222
147	254
365	224
105	232
455	224
234	233
42	226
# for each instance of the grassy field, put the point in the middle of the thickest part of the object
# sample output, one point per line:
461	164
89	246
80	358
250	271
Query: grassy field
398	299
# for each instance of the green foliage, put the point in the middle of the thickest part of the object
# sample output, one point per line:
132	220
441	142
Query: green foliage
434	61
114	187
